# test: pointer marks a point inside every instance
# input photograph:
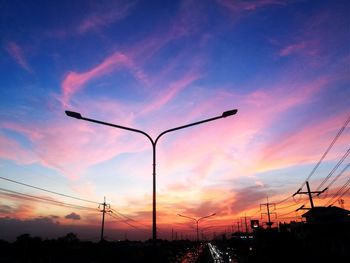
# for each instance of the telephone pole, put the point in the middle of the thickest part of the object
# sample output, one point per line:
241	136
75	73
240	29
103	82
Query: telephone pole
309	193
104	205
245	223
267	204
238	223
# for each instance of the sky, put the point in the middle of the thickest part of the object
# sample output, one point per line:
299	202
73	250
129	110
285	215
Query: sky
153	66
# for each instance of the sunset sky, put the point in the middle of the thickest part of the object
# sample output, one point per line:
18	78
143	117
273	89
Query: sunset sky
155	65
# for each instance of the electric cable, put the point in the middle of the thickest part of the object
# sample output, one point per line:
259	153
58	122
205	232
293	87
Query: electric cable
16	194
125	222
334	169
327	150
338	176
49	191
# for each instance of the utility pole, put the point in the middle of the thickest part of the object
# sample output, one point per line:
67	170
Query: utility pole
267	204
104	205
309	193
245	223
238	223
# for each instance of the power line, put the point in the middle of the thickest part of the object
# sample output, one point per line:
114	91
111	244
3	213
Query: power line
267	204
49	191
310	194
326	152
257	211
16	194
337	177
347	190
125	222
283	200
338	192
282	215
284	207
127	217
334	169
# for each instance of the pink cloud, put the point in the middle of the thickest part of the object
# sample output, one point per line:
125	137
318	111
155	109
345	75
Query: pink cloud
101	18
293	48
301	146
17	54
71	147
246	198
238	6
188	21
311	39
168	94
10	149
98	16
238	136
309	48
181	25
74	82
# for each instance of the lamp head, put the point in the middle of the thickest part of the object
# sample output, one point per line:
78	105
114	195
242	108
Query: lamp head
73	114
229	113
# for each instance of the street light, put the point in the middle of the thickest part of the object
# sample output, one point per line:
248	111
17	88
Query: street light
197	221
154	144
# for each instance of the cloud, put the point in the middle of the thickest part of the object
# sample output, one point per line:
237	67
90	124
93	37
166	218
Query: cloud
250	5
73	82
47	227
133	57
6	209
203	209
64	146
73	216
12	150
293	48
303	47
42	226
289	148
103	16
312	39
247	197
95	17
169	94
16	53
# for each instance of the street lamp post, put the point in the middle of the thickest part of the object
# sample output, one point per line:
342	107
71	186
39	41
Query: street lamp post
154	144
197	221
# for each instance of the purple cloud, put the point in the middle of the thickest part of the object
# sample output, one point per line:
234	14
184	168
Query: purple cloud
73	216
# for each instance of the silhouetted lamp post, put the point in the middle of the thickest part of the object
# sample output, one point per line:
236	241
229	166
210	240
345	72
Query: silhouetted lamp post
154	143
197	221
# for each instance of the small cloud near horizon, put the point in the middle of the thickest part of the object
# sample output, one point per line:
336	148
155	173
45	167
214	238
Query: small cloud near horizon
73	216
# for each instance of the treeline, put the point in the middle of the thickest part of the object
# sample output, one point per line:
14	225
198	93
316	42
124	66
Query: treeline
70	249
